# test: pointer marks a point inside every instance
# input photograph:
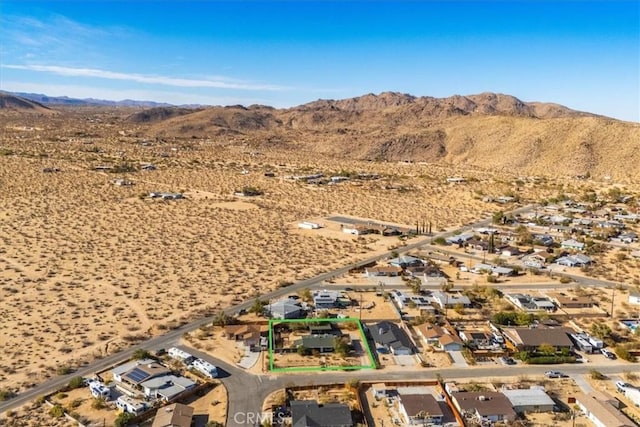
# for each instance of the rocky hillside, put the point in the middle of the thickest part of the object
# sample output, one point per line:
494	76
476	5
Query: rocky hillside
9	102
488	130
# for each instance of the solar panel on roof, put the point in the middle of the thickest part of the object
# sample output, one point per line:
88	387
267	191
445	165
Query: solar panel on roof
137	375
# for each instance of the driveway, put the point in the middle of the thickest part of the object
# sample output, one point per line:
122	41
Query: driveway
249	358
458	359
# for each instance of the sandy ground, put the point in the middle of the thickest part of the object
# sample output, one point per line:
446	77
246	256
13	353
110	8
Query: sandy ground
87	267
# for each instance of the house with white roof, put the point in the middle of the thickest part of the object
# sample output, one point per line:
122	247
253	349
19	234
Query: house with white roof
634	297
447	300
534	399
166	387
572	244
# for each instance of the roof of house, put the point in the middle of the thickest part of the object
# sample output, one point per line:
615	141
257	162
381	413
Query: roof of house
405	260
174	415
416	403
316	341
125	367
307	413
485	403
535	337
390	334
535	396
285	306
167	381
564	300
598	404
431	331
143	372
449	339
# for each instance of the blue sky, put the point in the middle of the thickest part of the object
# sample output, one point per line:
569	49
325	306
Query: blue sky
582	54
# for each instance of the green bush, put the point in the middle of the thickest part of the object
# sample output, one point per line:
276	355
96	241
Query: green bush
56	411
6	394
623	353
76	382
547	360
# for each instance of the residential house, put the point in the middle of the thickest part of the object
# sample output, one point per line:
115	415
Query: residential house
564	301
285	309
537	259
484	406
429	333
508	250
321	343
459	238
308	413
450	342
476	338
448	300
405	261
530	339
390	336
634	297
602	410
534	399
477	245
529	303
251	336
572	244
544	239
326	299
166	387
578	260
383	271
139	371
420	409
174	415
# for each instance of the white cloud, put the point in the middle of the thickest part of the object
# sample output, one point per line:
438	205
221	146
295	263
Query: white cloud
220	83
83	92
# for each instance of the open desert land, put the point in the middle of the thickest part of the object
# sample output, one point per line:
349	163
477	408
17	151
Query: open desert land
88	266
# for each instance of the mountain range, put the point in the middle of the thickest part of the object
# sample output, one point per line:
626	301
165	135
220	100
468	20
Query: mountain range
488	130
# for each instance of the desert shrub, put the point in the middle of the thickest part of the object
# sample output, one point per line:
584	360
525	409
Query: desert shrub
6	394
64	370
75	382
596	375
99	403
56	411
623	353
123	419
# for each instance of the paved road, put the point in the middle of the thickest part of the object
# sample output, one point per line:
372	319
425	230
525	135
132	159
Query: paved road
247	392
171	337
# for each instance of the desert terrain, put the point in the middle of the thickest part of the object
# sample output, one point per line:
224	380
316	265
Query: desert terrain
88	267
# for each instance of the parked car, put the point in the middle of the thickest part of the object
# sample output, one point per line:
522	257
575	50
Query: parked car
608	354
507	360
622	386
555	374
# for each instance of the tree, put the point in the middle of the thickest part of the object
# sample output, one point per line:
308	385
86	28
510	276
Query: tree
258	306
123	419
302	350
600	330
305	295
141	353
547	349
497	217
76	382
341	346
416	285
